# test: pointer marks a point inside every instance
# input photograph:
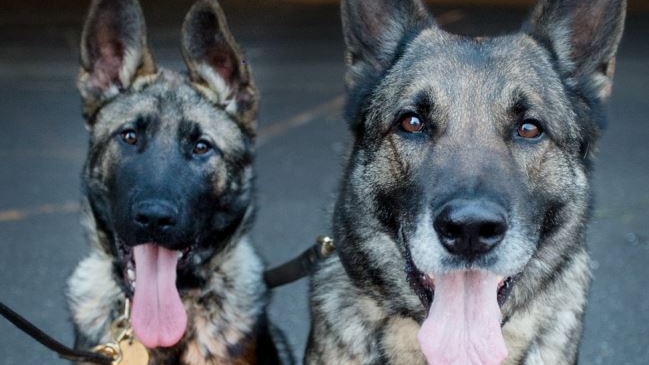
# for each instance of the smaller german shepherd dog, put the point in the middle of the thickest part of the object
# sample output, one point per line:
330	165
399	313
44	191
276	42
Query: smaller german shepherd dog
168	193
461	221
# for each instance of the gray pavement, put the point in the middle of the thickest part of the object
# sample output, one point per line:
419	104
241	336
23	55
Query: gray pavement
296	52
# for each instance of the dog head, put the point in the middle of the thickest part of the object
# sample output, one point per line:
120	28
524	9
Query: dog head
470	160
168	179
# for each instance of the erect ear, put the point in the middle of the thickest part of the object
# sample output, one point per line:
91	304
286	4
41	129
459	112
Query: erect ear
375	31
113	51
216	64
584	36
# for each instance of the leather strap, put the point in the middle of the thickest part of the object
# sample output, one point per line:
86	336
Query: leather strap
52	344
300	266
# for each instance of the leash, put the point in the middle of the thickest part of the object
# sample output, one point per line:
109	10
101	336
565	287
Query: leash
52	344
126	349
300	266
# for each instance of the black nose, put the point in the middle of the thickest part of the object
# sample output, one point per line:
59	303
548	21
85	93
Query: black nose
155	216
471	228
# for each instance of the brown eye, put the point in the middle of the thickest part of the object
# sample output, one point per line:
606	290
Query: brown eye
412	124
530	129
129	136
202	147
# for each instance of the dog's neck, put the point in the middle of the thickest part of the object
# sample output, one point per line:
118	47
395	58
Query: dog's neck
220	319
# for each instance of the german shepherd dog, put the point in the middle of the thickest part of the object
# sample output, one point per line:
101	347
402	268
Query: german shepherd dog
168	193
461	220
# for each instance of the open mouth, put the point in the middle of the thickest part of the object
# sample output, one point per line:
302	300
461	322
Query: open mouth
424	286
464	319
128	265
158	316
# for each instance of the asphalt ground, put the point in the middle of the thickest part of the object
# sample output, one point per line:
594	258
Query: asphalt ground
296	52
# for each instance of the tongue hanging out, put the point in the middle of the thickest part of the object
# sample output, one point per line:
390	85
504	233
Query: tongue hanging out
158	316
463	324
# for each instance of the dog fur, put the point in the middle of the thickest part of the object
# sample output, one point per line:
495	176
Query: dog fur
184	140
439	120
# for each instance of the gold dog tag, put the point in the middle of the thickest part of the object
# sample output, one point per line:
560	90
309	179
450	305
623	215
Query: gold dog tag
133	352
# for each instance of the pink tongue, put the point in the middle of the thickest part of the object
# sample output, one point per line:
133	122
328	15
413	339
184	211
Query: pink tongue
463	324
158	316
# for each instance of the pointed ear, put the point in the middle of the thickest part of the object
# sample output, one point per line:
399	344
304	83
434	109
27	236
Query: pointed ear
376	31
584	36
113	51
215	62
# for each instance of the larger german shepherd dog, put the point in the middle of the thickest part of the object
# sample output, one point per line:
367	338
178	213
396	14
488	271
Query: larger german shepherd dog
168	193
461	219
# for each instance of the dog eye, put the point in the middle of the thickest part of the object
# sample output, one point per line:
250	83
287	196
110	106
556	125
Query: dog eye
530	129
129	136
411	123
202	147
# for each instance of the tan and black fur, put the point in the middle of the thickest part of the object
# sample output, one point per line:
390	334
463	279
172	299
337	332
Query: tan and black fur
474	102
183	140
